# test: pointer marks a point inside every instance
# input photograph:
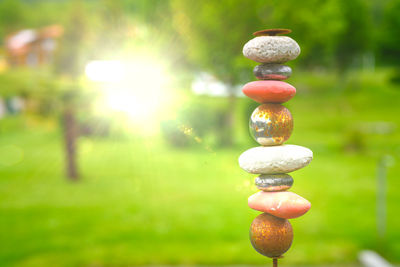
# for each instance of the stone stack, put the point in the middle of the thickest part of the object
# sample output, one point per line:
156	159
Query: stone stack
271	124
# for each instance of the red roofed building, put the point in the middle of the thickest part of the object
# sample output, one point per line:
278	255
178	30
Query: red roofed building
32	47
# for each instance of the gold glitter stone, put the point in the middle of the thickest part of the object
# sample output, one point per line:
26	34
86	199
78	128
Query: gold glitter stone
271	236
271	124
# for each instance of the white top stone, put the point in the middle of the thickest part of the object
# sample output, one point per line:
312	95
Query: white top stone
271	49
275	159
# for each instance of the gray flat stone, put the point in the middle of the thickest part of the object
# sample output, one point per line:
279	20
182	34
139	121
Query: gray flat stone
272	71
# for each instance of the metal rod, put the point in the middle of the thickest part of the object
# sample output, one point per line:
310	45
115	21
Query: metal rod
275	262
381	197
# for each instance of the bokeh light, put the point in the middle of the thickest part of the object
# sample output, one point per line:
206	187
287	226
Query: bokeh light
140	88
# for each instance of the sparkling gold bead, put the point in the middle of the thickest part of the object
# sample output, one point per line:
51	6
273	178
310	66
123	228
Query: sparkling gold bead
271	236
271	124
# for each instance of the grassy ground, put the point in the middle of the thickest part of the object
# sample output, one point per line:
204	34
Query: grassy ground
141	202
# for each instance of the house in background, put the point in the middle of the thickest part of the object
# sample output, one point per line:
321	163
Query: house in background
30	47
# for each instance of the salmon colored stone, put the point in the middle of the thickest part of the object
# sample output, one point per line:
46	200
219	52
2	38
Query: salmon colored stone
269	91
287	205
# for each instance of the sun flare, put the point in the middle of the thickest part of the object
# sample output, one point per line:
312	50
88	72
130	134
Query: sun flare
139	88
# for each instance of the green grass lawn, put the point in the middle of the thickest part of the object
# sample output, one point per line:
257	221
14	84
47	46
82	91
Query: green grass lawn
142	202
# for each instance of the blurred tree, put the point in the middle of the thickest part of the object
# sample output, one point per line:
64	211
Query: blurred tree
333	37
69	64
13	16
86	37
355	38
316	32
389	35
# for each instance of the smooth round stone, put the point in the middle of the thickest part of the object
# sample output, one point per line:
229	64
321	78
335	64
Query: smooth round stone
287	205
272	72
269	91
271	236
274	182
271	124
275	159
271	49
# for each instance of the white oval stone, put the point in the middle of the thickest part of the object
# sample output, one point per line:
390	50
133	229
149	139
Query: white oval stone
271	49
275	159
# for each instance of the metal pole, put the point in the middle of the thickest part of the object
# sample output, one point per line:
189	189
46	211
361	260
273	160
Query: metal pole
381	198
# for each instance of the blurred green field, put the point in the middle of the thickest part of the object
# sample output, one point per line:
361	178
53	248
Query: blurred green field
143	202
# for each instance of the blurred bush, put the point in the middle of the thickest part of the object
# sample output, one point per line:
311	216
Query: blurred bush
203	121
355	141
175	135
196	121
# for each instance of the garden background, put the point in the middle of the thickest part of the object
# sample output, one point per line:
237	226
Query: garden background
121	123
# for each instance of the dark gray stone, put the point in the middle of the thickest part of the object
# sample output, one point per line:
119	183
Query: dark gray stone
274	182
272	72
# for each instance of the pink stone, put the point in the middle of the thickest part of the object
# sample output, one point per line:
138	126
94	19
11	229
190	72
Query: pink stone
287	205
269	91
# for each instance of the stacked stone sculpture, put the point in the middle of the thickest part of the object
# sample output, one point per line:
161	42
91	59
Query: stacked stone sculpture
271	124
